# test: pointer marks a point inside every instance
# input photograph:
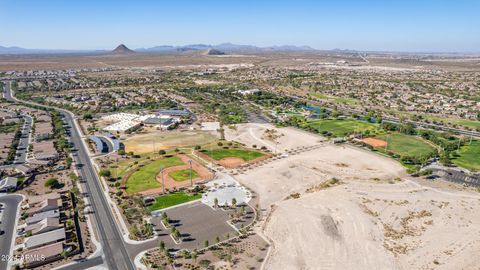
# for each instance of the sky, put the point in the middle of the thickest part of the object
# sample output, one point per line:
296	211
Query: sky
389	25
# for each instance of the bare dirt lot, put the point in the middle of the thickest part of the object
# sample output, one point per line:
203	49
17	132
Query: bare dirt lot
281	139
370	220
158	140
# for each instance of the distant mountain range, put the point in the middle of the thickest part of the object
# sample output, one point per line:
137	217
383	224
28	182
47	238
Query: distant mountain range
226	47
122	49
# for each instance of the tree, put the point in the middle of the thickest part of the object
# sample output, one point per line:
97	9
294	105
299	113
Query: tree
234	202
87	116
215	202
52	183
105	173
64	254
206	243
217	239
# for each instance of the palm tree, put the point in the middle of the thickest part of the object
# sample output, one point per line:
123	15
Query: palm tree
215	202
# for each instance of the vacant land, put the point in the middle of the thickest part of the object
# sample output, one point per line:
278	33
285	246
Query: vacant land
145	177
469	156
372	220
172	199
161	140
405	145
287	137
246	155
341	128
182	175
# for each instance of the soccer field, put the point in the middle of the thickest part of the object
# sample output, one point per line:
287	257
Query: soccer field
341	128
469	156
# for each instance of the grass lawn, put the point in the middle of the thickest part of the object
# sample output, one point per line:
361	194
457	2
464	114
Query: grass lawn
335	99
405	145
182	175
120	168
172	199
469	156
246	155
340	128
145	177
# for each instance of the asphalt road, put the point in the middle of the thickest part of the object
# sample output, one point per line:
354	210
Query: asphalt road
22	149
113	246
8	216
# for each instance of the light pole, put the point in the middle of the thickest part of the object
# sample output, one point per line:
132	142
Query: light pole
163	180
190	163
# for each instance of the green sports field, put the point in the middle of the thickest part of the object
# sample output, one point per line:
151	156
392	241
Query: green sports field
469	156
341	128
405	145
246	155
182	175
145	177
172	199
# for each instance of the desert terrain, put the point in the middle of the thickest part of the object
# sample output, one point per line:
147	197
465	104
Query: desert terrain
374	217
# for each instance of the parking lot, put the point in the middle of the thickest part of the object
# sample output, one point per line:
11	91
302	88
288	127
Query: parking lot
197	223
458	177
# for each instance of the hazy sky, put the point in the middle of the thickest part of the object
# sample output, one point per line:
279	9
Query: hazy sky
399	25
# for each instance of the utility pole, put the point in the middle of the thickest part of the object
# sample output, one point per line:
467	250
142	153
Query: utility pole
190	163
163	180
